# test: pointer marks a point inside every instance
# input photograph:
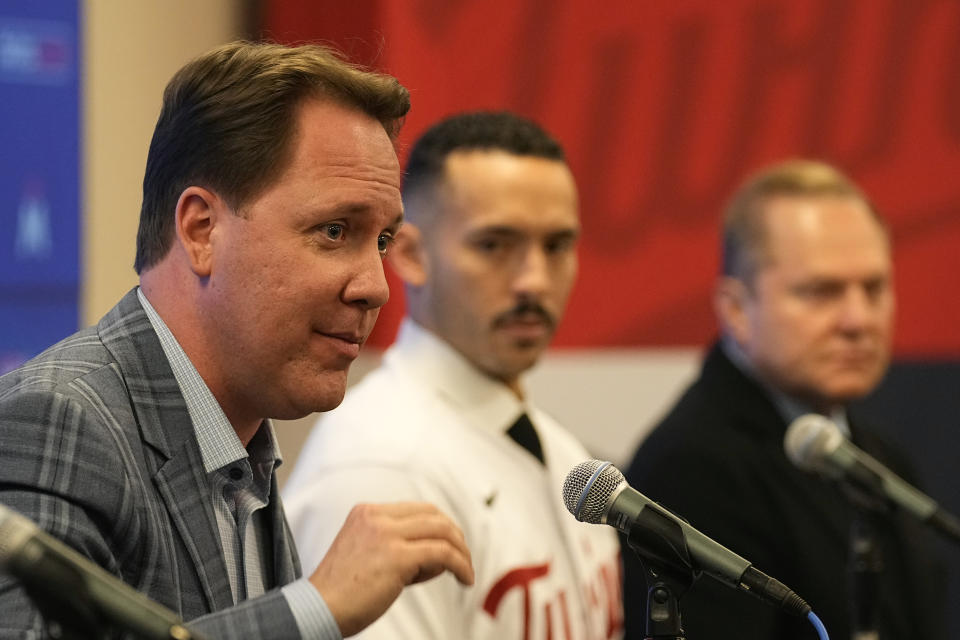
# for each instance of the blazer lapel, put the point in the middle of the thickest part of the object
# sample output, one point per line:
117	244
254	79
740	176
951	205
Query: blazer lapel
749	407
166	426
286	561
182	483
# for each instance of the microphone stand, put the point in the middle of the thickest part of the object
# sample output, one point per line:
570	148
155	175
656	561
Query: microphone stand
866	565
865	560
662	550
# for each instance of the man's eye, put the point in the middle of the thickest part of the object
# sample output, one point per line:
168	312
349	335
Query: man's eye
490	245
333	231
558	245
384	240
820	290
875	288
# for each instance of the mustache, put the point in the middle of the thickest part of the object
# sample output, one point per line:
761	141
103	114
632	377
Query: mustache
523	311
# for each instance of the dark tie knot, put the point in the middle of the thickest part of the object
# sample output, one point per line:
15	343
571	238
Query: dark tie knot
525	435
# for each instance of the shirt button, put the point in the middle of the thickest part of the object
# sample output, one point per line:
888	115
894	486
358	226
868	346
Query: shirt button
236	473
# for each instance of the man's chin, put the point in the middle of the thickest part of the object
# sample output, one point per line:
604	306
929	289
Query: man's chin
844	391
518	364
322	395
329	399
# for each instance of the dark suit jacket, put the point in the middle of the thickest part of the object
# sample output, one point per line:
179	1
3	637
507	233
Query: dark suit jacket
97	447
717	460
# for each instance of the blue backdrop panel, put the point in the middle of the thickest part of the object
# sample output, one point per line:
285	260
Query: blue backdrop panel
39	175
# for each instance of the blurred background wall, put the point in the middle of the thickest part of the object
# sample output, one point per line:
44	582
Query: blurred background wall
131	49
662	107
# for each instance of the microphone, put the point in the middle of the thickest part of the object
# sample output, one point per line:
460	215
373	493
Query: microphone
814	443
76	590
596	492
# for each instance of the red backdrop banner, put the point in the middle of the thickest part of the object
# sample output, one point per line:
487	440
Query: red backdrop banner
663	108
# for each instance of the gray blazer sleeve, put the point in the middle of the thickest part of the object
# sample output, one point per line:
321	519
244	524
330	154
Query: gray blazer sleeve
267	616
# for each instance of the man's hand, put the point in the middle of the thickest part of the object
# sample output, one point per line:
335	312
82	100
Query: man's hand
381	549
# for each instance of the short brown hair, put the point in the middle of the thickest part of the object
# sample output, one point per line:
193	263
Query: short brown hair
744	229
466	132
229	118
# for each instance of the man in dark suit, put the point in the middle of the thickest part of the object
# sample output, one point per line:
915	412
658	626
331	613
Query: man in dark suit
271	194
805	304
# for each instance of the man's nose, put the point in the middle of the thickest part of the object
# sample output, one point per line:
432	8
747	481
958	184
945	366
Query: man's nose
367	286
533	276
859	309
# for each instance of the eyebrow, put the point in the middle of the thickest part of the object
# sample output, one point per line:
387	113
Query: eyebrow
570	232
498	230
506	230
350	207
360	208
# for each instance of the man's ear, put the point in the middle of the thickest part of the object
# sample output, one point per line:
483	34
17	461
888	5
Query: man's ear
196	216
407	256
730	299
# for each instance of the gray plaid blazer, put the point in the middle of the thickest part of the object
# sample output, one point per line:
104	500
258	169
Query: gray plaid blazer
97	448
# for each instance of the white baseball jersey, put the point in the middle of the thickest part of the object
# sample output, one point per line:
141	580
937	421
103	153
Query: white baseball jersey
428	426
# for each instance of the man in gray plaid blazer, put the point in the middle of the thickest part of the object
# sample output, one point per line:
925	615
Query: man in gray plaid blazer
271	194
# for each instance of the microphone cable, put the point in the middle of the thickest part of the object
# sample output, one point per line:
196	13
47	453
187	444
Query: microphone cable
818	625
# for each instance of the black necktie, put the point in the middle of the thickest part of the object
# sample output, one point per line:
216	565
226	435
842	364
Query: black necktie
526	436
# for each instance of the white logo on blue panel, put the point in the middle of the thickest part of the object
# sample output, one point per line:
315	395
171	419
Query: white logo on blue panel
34	239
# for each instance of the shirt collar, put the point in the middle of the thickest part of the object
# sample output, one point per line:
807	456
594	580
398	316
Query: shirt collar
219	444
789	407
485	402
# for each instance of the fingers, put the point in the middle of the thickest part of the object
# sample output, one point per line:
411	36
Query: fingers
433	558
426	531
430	535
382	548
427	541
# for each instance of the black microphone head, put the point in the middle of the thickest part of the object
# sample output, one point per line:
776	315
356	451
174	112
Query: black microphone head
809	442
588	487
